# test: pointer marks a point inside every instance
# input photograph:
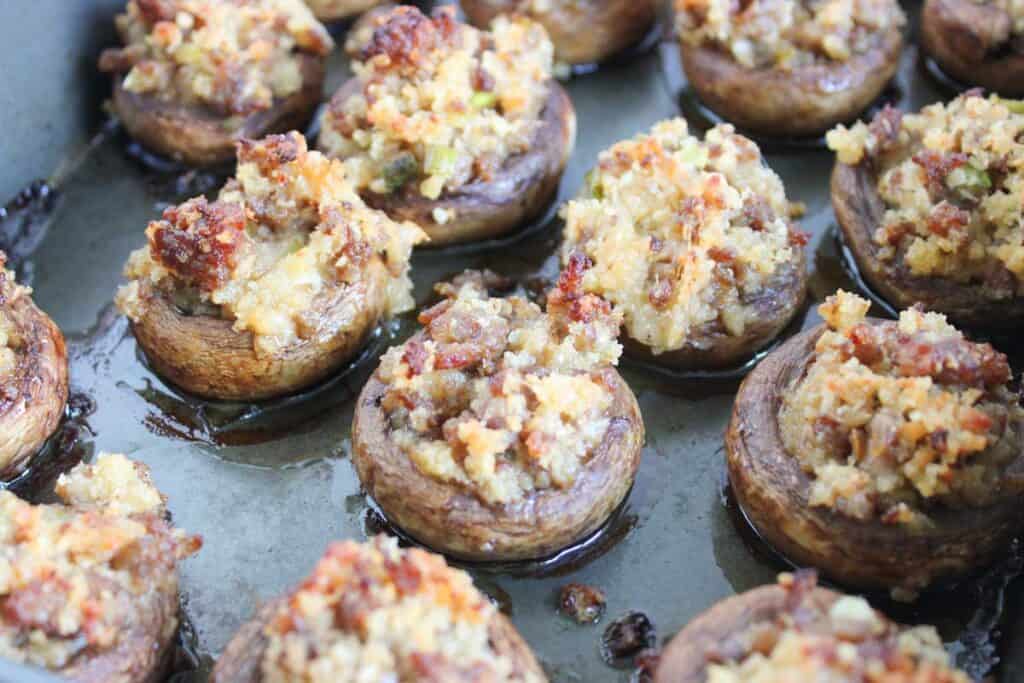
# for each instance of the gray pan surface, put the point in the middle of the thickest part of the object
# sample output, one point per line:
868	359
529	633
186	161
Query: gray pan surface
269	486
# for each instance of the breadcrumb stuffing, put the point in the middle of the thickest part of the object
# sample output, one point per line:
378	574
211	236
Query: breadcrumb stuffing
847	643
374	612
500	397
682	233
11	340
285	235
893	417
235	57
75	578
440	103
787	34
952	181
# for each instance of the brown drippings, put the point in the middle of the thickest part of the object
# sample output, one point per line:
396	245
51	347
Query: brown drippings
23	224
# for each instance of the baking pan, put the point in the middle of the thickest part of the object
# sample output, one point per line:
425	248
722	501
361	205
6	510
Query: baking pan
268	486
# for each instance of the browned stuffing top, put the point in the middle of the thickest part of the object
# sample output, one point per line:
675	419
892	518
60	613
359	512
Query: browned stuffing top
439	103
845	642
952	181
499	397
235	57
285	234
72	575
892	417
374	612
787	34
683	233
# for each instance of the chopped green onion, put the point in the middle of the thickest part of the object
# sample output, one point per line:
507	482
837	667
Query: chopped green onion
399	171
482	99
1015	106
440	160
592	183
969	181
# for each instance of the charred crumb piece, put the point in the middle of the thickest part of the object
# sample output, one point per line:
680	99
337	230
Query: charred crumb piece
627	637
197	240
582	603
406	36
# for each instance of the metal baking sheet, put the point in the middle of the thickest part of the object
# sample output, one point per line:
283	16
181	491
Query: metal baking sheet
269	486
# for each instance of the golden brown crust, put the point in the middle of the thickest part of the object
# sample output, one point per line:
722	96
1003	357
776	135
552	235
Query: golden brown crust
773	491
859	210
242	659
777	304
582	33
802	101
204	355
520	191
454	521
955	33
199	137
32	399
685	659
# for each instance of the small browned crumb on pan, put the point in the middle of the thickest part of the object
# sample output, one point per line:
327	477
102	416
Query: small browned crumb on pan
786	34
837	641
628	637
89	588
499	397
375	612
285	236
232	57
582	603
950	181
439	104
33	375
688	238
892	417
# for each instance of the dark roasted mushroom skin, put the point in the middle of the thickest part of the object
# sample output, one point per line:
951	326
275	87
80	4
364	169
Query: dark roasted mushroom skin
803	101
772	491
974	43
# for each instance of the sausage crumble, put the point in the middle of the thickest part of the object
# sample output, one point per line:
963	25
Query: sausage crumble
895	416
78	578
951	181
375	612
284	235
234	57
499	397
787	34
683	234
440	104
845	642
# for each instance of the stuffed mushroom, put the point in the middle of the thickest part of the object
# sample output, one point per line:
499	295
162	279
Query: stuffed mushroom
797	631
501	432
272	286
335	10
33	375
929	205
691	240
583	33
376	612
977	42
792	67
90	588
195	76
888	454
463	132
